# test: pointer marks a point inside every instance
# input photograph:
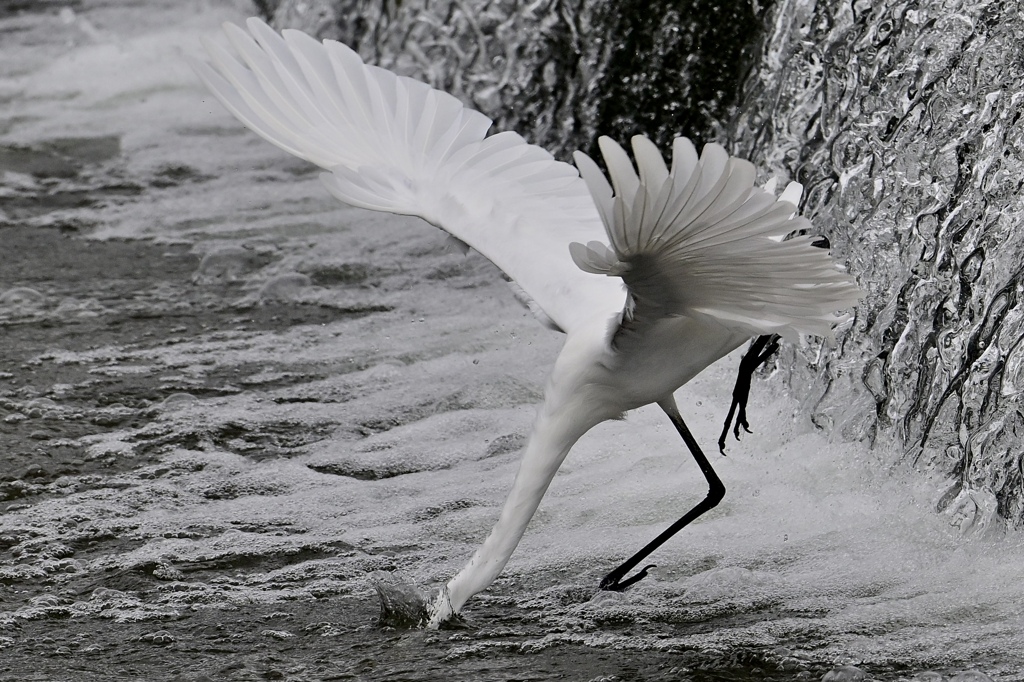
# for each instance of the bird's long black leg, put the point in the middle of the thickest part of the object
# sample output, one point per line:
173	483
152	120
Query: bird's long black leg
716	491
754	361
760	350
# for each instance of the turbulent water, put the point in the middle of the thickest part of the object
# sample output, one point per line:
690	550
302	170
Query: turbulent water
903	121
228	404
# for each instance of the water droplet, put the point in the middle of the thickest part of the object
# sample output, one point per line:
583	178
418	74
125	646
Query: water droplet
286	287
844	673
176	400
21	300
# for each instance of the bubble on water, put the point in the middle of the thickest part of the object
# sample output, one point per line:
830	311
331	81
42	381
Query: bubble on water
725	583
178	400
121	607
971	676
21	301
226	264
845	673
87	308
158	637
607	598
44	606
286	287
41	404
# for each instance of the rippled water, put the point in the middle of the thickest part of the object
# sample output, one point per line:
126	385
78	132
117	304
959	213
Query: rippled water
222	432
902	120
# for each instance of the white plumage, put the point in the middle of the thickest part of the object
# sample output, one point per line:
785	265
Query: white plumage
707	259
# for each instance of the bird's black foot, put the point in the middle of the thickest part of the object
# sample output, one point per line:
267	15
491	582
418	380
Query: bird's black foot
760	350
613	582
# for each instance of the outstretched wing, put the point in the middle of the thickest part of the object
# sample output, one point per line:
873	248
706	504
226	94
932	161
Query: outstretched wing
395	144
702	240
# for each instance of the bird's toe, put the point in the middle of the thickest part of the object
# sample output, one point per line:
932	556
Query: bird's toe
613	582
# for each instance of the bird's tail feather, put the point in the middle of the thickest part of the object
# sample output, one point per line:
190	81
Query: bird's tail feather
702	239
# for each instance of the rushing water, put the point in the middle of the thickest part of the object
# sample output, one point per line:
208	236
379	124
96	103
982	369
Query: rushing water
903	121
284	399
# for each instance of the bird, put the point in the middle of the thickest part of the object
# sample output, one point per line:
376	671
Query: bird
651	276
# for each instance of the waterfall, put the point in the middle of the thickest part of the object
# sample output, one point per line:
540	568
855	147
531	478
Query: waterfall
902	121
559	72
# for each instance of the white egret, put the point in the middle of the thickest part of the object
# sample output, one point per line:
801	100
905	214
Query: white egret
652	277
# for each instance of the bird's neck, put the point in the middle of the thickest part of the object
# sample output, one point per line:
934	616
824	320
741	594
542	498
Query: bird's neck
557	428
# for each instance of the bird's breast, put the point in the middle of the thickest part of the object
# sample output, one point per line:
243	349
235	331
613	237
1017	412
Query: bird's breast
667	355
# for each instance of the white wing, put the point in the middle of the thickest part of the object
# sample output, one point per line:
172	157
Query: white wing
702	240
395	144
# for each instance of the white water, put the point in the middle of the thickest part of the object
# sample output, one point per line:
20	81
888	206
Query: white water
817	547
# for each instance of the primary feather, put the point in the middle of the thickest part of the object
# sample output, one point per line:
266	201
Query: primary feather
394	144
703	240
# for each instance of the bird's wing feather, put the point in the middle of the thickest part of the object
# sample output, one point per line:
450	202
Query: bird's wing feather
702	240
395	144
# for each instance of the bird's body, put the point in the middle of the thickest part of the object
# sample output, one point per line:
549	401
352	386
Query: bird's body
698	259
590	383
